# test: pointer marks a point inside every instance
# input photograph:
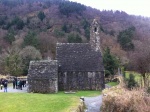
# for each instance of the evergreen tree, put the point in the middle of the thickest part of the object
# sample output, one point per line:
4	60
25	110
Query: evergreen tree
31	40
111	63
41	15
20	24
131	81
125	38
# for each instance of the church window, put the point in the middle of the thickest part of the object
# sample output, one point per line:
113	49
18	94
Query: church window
95	29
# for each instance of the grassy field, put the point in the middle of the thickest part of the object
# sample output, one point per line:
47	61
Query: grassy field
29	102
137	75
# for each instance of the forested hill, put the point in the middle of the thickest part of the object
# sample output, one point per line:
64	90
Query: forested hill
31	28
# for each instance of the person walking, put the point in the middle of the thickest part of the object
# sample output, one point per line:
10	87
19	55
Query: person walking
14	84
20	84
5	86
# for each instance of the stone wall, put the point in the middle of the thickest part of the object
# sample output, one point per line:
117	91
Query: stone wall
43	76
81	80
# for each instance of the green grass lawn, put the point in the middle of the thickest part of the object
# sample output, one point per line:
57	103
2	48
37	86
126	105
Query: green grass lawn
112	83
33	102
137	75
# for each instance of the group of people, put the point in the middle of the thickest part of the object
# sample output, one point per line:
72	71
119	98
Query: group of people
18	84
3	83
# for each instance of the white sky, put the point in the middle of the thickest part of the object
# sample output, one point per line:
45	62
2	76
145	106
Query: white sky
135	7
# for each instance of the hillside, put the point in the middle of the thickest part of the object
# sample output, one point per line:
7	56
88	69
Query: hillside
43	23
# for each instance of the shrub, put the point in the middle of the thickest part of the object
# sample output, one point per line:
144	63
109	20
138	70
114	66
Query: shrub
118	99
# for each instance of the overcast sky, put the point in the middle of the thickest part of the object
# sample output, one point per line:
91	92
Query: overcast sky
135	7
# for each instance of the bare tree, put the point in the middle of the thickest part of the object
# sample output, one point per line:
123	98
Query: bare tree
140	60
27	54
31	52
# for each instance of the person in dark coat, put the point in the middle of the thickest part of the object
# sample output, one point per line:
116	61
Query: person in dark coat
24	83
14	84
20	84
5	85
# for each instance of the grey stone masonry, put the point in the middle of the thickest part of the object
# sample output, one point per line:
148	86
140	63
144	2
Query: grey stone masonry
95	35
78	57
43	76
81	81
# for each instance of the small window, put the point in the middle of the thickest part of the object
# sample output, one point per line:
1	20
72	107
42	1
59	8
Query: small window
95	29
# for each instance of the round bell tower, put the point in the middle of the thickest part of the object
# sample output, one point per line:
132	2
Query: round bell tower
95	35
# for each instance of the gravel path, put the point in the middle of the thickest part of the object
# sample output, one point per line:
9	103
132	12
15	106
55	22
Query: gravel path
93	103
11	90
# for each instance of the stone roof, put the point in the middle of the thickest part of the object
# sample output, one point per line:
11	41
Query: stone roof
78	57
43	69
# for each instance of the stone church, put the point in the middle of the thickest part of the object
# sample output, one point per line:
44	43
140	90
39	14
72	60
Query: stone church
78	66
